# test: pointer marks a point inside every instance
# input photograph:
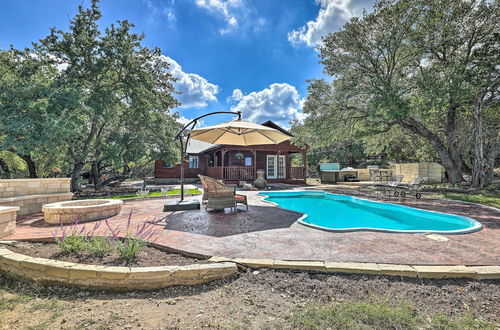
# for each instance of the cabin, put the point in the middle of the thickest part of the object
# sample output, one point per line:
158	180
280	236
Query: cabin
282	163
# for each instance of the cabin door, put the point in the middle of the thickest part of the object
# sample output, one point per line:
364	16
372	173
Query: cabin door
281	167
272	167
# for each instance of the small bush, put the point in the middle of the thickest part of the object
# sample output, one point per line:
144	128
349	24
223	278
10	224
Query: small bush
143	193
97	246
165	191
129	248
72	243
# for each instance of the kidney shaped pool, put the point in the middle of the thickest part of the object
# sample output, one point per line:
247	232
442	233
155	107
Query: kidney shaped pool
346	213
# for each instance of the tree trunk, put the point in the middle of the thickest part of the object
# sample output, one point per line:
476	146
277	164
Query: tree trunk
117	177
75	176
479	163
31	165
452	165
94	174
5	169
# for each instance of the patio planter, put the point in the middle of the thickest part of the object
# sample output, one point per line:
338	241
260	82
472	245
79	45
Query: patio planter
48	271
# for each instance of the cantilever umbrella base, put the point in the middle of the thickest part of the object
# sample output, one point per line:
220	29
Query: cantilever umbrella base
185	205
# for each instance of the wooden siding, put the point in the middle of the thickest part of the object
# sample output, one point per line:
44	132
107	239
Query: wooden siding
233	169
175	172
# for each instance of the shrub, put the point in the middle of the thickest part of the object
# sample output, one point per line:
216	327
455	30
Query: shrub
129	248
87	240
143	193
72	243
97	246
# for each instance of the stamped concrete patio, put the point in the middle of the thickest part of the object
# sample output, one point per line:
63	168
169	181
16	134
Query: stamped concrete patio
266	231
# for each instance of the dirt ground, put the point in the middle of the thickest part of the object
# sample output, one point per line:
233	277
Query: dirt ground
253	299
148	256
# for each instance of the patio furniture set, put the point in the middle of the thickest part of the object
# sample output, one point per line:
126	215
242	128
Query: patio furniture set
395	188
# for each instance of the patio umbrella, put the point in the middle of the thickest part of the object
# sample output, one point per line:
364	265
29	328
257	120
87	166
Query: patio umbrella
239	132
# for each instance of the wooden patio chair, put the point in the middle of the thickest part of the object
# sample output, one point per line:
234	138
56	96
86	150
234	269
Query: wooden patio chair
219	196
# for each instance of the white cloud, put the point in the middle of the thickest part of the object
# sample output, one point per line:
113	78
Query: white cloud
331	17
280	103
225	9
195	90
236	96
170	16
184	121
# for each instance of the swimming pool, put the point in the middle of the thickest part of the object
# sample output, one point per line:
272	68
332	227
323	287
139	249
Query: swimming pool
346	213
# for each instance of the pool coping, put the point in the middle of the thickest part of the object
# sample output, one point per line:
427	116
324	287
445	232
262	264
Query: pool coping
418	271
476	227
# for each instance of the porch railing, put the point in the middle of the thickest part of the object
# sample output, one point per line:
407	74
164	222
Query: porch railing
247	173
214	172
297	173
234	173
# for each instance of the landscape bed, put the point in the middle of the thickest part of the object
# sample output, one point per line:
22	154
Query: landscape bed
149	256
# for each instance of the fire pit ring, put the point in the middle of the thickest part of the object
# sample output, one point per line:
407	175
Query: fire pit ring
83	210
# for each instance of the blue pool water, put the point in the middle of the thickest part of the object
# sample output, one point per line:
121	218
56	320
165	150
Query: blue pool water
343	213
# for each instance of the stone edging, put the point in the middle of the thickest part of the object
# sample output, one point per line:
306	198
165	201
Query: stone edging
420	271
82	210
107	277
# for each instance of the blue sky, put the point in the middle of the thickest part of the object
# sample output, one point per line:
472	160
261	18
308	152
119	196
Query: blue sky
248	55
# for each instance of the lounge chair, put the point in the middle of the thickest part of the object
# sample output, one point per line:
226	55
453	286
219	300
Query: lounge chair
395	183
219	196
413	186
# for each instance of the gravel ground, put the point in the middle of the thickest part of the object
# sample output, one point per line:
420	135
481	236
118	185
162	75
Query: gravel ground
254	299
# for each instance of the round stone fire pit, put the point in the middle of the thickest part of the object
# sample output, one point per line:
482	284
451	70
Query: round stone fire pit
85	210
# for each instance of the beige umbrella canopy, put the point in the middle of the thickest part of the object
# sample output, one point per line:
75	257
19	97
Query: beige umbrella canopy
239	132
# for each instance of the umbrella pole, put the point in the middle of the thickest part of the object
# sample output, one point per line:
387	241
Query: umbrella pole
183	155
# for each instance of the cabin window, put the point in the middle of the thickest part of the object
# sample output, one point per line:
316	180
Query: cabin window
193	161
248	161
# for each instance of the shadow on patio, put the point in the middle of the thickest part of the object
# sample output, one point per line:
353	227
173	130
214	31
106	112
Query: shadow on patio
220	224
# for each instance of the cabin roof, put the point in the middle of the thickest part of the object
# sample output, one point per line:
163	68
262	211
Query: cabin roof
196	146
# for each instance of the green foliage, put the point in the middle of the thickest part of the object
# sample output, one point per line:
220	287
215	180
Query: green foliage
406	78
155	194
464	323
72	243
358	315
112	81
361	315
92	97
9	303
98	246
130	247
485	199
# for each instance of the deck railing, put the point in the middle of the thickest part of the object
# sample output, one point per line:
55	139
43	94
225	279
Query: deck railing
297	173
247	173
235	173
214	172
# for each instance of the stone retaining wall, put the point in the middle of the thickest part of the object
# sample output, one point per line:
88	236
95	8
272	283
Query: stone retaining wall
436	272
8	217
30	194
110	278
23	187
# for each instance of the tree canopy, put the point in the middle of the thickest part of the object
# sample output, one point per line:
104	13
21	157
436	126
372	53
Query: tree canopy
94	99
412	68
